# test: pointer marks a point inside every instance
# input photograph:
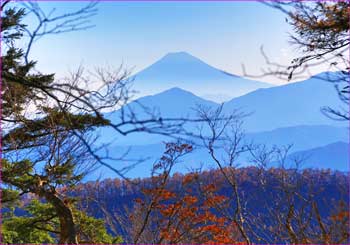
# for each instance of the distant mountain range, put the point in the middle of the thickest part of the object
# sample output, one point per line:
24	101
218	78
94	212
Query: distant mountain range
313	144
280	115
282	106
190	73
301	137
334	156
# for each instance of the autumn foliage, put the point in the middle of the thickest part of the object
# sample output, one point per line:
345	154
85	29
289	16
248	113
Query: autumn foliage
176	214
185	218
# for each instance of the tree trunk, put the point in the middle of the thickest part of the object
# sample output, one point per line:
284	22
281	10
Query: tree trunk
67	228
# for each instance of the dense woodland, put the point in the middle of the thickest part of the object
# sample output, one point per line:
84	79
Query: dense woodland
49	124
199	207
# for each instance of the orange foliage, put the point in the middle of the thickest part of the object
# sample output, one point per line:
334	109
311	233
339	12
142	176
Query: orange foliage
186	219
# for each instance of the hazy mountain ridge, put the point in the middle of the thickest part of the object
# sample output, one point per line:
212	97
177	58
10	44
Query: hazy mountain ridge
288	105
319	137
331	156
172	103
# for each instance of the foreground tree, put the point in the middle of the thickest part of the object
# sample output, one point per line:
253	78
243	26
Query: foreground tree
40	225
48	124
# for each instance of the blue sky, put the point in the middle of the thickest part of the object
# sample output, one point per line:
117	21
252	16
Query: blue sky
223	34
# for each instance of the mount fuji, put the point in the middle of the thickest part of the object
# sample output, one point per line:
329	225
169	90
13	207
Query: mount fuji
183	70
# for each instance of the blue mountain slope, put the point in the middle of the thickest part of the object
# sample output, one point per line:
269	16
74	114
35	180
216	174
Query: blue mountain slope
190	73
293	104
334	156
301	137
172	103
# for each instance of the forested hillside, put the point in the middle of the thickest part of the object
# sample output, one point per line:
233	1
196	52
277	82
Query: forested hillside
270	200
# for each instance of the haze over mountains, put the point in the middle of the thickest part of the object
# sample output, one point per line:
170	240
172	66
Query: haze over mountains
281	115
313	144
183	70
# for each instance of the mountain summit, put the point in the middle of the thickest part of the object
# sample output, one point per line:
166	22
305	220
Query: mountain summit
179	57
180	66
181	69
184	58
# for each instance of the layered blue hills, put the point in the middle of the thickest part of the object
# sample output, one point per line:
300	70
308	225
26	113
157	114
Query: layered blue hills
278	116
317	146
